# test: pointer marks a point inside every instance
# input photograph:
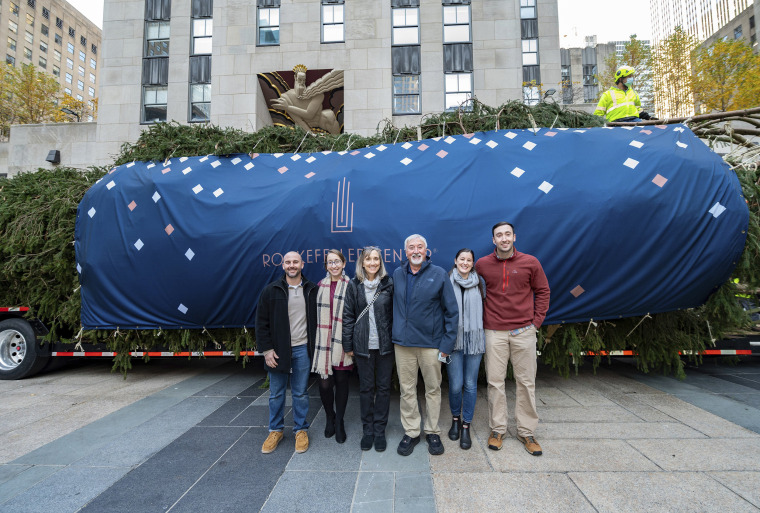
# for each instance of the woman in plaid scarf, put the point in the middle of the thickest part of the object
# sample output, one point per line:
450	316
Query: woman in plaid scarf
330	362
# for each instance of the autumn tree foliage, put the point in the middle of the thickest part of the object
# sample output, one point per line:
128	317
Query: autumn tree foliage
672	68
637	55
726	77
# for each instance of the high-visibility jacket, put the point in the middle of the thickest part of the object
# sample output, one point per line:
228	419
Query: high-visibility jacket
616	104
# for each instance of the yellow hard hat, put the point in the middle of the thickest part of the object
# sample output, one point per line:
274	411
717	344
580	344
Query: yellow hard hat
624	71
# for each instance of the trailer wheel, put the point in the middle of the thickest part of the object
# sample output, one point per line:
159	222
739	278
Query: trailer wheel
19	351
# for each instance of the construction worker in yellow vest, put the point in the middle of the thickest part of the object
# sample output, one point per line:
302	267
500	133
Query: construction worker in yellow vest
621	102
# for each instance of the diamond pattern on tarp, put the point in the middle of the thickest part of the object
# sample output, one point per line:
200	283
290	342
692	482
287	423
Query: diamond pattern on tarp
529	145
629	162
474	140
659	180
517	172
132	205
422	147
236	161
197	189
169	229
311	159
406	161
492	144
449	140
381	148
545	187
309	175
406	146
282	170
295	158
216	164
111	185
248	166
369	155
91	212
186	170
189	254
510	135
79	269
442	153
182	308
577	291
636	144
681	145
218	192
139	244
717	210
156	196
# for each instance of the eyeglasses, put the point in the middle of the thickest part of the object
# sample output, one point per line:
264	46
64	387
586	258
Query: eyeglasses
334	263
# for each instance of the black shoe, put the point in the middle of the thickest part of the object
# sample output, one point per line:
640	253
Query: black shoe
380	443
456	428
330	426
340	432
366	443
435	447
465	442
406	445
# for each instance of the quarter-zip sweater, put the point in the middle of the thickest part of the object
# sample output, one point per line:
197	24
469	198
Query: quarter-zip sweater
517	291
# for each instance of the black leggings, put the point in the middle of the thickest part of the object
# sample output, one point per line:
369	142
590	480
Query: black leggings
338	395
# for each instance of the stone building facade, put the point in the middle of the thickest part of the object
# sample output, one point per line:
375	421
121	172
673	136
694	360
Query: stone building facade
198	60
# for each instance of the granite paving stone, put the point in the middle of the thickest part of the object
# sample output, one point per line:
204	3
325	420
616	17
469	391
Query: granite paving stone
326	454
9	470
24	478
241	480
704	455
375	487
617	430
163	479
499	493
312	492
232	385
570	455
584	414
664	492
415	505
231	410
745	484
64	491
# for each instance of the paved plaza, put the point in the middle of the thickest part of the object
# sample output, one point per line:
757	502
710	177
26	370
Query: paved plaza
179	436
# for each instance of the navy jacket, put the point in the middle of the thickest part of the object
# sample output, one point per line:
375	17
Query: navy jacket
433	315
273	323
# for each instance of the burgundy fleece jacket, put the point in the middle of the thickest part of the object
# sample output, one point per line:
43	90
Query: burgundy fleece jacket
517	291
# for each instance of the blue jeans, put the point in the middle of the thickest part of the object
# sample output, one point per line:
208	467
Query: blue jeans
299	382
463	384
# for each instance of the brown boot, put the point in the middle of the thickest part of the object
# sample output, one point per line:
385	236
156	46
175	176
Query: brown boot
272	441
302	441
530	445
494	441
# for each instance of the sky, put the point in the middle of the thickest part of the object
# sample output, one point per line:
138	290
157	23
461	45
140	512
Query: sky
609	21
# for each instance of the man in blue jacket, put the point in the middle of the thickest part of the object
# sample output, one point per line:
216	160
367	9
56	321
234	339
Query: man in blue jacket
425	318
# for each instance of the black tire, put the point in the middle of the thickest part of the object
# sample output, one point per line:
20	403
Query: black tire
20	354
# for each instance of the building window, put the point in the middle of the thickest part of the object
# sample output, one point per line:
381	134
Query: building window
81	71
45	13
83	41
80	98
72	32
13	26
406	94
67	91
567	85
458	89
200	102
531	94
43	62
69	78
56	71
94	49
70	46
269	26
58	39
92	78
57	55
527	9
80	85
751	22
43	46
69	63
59	23
14	8
28	53
456	24
332	22
30	20
44	29
82	56
202	33
530	52
10	59
11	44
738	32
154	104
406	26
157	38
29	38
91	91
31	3
93	64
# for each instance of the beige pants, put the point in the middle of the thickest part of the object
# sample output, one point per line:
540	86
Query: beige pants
501	346
408	360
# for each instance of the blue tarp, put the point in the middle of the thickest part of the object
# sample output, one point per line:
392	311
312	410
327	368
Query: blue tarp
625	221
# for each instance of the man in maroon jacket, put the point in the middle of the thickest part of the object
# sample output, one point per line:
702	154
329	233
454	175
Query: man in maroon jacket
517	298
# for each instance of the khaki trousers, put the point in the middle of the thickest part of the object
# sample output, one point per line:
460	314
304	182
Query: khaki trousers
501	346
408	360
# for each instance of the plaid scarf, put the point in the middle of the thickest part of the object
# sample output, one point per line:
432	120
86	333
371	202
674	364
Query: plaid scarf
329	348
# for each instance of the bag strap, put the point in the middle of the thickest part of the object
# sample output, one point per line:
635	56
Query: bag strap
366	309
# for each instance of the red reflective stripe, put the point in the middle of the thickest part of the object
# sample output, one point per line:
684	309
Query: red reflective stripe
14	309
